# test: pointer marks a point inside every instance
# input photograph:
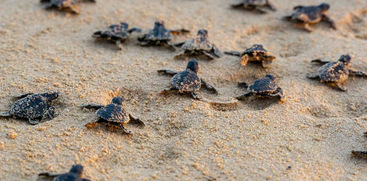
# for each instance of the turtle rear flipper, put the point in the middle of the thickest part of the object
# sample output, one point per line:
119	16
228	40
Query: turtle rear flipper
360	154
6	115
278	92
124	129
340	86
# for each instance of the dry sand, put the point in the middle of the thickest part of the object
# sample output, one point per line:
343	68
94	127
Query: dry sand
308	137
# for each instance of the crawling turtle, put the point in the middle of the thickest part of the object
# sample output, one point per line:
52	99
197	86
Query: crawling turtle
335	73
360	154
199	46
34	107
256	53
264	86
255	5
116	33
187	81
69	5
75	174
307	15
113	114
159	35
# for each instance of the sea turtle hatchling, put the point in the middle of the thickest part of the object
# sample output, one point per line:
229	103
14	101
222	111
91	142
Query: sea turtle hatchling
255	5
263	87
200	45
187	81
34	107
159	35
256	53
75	174
116	33
113	114
69	5
307	15
360	154
335	73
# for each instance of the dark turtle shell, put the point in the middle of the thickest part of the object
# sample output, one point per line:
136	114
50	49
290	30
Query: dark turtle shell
263	85
308	14
159	33
333	72
255	2
62	3
198	44
186	81
113	113
30	107
255	49
114	32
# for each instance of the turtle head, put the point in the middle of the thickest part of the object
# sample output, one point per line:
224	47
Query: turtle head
324	7
158	24
77	169
193	65
345	59
271	77
203	33
117	100
51	95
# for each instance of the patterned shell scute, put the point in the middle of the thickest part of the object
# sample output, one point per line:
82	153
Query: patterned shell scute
333	72
263	86
113	113
64	3
255	2
31	107
198	44
186	81
308	14
117	31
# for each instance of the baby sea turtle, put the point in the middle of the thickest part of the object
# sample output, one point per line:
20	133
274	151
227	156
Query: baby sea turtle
159	35
265	86
187	81
256	53
199	46
113	114
307	15
75	174
360	154
255	5
68	5
34	107
335	73
116	33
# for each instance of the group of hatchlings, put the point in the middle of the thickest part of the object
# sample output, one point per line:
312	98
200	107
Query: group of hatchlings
37	107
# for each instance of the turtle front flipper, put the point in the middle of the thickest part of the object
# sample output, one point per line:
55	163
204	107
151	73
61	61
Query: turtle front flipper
258	9
298	7
329	20
169	72
233	53
270	5
209	86
178	44
138	30
312	76
179	31
340	86
244	96
48	175
266	64
357	72
307	27
181	54
74	9
360	154
168	90
208	55
196	96
244	60
91	125
91	106
124	129
119	44
242	85
50	113
135	120
217	51
6	115
278	92
321	61
33	122
22	95
238	5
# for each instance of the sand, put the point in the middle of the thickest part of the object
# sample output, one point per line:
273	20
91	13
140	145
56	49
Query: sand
308	137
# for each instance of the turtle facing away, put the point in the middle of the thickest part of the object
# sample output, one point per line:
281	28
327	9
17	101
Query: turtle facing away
256	53
335	73
360	154
159	35
113	114
255	5
199	46
69	5
116	33
307	15
265	86
34	107
187	81
75	174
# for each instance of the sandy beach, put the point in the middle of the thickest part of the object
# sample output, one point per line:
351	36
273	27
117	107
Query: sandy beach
307	137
